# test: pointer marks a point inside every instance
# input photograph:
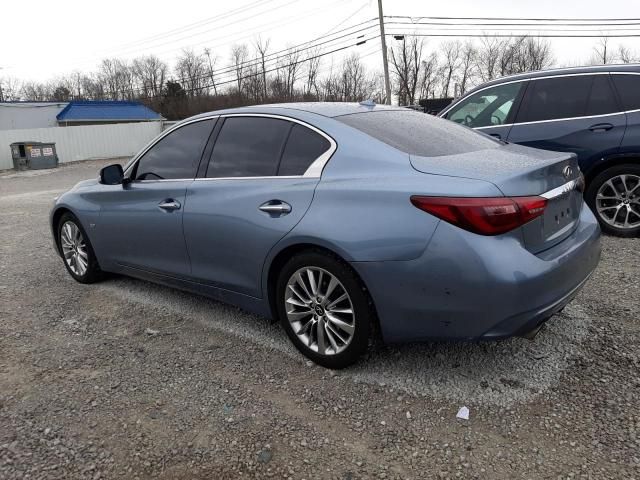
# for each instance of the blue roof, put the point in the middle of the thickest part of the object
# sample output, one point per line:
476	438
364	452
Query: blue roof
106	111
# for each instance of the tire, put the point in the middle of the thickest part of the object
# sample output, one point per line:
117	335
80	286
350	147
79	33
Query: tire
320	326
76	251
607	191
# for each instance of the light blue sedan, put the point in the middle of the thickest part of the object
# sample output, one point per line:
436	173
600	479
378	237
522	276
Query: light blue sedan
343	221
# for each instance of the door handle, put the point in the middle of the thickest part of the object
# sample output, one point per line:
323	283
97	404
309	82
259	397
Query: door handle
276	207
170	205
496	135
601	127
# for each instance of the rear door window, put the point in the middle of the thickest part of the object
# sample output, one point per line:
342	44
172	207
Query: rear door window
601	99
555	98
628	87
487	108
177	155
419	133
303	147
248	147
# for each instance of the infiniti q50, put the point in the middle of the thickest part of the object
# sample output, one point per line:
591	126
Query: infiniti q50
342	221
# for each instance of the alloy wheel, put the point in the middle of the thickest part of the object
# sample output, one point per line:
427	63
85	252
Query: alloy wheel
320	311
618	201
74	248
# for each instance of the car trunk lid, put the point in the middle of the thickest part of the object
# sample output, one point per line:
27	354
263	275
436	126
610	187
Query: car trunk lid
521	171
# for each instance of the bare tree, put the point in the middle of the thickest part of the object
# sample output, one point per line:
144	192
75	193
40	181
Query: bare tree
428	76
150	73
10	89
191	71
625	55
406	60
211	62
313	65
261	48
488	57
34	91
601	52
239	54
467	66
451	59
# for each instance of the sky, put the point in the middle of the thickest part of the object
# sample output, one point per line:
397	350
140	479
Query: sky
42	39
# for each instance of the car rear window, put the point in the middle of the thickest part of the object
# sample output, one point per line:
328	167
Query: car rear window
628	87
418	133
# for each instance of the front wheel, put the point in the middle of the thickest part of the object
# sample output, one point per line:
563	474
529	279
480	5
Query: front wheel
614	196
77	253
324	309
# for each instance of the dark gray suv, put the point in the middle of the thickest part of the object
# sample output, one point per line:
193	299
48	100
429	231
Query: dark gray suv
591	111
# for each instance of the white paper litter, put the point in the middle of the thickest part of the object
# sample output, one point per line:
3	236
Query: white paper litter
463	413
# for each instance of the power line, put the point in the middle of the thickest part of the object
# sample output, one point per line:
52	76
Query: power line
273	57
559	19
203	87
508	35
521	24
197	24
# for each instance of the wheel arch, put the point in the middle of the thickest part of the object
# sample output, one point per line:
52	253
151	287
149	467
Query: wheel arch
284	254
609	162
56	215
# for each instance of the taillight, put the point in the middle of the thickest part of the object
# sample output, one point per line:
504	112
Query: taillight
485	216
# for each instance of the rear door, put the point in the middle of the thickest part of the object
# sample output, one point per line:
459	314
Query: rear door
258	185
575	113
628	88
490	110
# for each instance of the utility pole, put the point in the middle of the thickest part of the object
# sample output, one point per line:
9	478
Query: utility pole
387	84
1	97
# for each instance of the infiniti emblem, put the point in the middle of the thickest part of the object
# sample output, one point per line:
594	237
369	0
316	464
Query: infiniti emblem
567	172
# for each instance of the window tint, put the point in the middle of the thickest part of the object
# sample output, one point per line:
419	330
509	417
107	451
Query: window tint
601	100
553	98
486	108
628	87
419	133
303	147
248	147
177	155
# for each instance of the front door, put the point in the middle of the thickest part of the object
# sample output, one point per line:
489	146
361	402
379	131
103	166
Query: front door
252	194
490	110
577	113
140	222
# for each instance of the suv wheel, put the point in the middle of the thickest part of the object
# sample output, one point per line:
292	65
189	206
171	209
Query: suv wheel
324	309
614	196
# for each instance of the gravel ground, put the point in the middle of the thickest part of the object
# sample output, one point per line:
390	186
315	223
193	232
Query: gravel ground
126	379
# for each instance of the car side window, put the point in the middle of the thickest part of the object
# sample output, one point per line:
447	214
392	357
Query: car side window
489	107
177	155
248	147
556	98
628	87
303	147
601	99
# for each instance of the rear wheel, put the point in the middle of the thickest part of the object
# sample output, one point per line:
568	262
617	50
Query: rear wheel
324	309
614	196
77	253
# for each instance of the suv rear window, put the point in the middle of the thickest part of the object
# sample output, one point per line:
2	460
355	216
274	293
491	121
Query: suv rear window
628	87
418	133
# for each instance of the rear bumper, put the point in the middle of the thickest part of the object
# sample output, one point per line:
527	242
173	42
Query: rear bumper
469	287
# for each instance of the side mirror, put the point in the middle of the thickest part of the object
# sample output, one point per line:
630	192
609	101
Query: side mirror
112	175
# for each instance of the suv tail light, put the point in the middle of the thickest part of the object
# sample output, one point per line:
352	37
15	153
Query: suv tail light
484	216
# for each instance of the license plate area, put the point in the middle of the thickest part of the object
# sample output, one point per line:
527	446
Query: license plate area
561	213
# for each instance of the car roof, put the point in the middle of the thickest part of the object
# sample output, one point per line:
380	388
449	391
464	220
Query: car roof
627	67
326	109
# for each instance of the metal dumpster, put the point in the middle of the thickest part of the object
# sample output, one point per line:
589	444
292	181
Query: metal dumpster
34	155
